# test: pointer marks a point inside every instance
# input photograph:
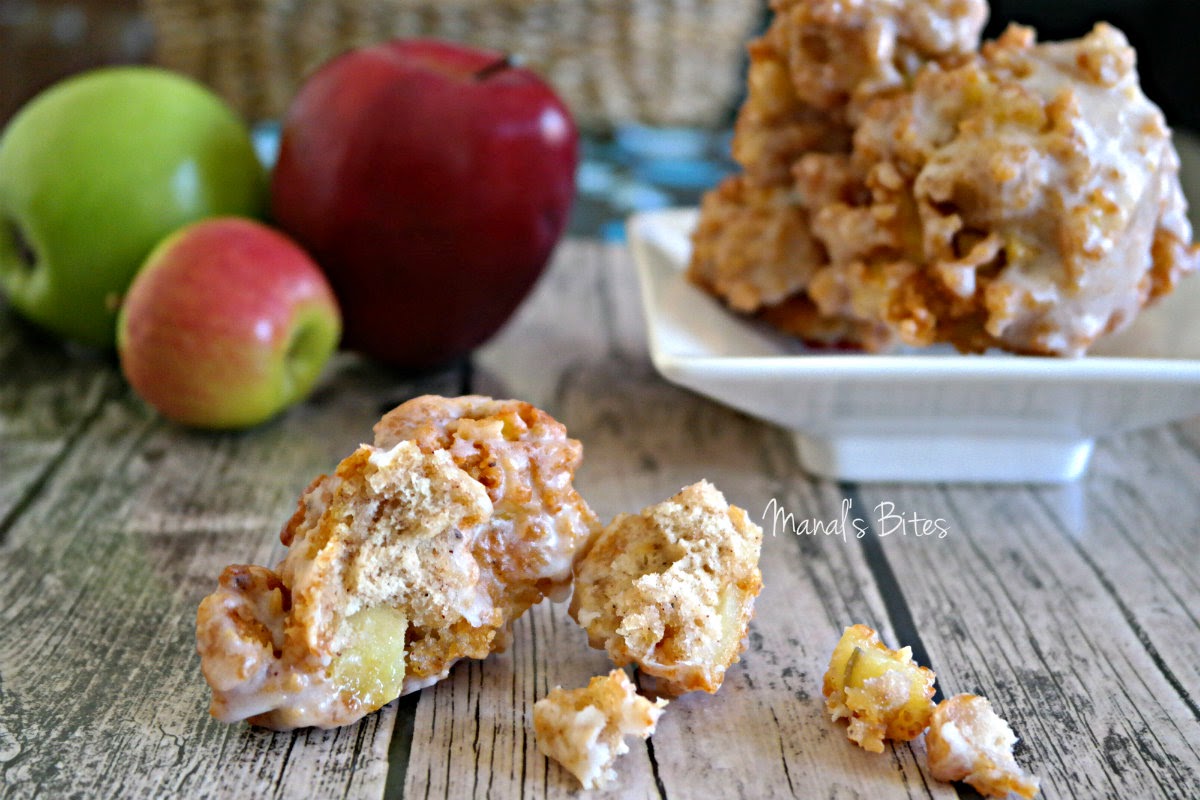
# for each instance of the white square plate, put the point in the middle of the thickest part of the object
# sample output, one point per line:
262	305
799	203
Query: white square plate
917	415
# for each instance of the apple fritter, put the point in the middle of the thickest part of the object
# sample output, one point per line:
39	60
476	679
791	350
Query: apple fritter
902	184
817	64
1027	200
408	558
672	589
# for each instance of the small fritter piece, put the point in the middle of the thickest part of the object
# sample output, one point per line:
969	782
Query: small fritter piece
1028	200
967	741
584	729
882	692
412	555
672	589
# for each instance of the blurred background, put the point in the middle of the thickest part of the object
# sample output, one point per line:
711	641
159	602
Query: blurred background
654	83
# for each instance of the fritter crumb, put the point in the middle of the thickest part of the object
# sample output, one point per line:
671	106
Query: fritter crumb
882	692
584	729
967	741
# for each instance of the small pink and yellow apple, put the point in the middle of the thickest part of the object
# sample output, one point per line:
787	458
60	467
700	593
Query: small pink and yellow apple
226	324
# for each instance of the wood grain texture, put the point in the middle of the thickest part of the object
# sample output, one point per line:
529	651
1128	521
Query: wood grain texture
1078	629
1142	538
1074	609
100	577
47	398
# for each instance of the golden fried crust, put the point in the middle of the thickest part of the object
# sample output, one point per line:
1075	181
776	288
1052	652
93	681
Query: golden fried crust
416	552
774	125
799	316
968	741
584	729
821	61
882	693
810	72
753	246
843	54
672	589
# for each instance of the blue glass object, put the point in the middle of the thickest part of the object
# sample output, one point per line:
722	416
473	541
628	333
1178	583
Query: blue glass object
641	168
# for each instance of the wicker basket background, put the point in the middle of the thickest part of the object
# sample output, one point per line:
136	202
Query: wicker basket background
658	62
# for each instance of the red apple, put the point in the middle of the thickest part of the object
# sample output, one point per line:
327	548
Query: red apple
227	323
431	181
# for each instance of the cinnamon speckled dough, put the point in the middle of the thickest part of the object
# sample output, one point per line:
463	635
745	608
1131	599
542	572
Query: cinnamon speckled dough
393	528
584	729
967	741
409	557
526	462
672	589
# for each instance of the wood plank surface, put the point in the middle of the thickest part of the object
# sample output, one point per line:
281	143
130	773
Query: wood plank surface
100	577
1074	609
1040	597
47	397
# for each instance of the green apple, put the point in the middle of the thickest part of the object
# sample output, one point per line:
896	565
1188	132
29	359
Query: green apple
99	168
228	323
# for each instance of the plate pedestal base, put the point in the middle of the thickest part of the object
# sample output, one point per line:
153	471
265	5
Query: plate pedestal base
950	459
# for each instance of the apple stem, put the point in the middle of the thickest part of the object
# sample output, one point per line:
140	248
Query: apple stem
498	65
24	249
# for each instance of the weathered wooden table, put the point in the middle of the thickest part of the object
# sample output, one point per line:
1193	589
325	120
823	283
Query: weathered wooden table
1075	609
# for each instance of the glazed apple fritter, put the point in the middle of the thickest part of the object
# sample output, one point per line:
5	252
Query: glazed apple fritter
902	184
416	552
